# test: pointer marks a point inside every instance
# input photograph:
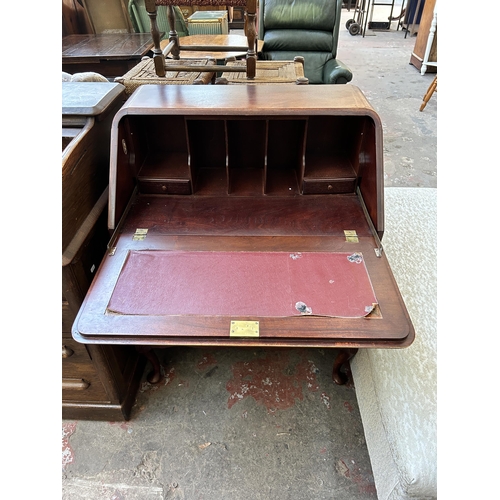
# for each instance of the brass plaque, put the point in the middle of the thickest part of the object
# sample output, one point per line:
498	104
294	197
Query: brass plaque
351	236
244	329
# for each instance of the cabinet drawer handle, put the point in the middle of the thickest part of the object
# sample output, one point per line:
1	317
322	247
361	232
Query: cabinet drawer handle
67	352
75	384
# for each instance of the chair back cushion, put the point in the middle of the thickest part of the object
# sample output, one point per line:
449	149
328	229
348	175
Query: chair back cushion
314	41
299	14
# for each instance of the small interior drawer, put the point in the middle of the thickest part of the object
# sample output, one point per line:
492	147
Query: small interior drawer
164	186
329	186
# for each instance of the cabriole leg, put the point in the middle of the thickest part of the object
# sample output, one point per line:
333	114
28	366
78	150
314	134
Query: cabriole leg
343	357
147	351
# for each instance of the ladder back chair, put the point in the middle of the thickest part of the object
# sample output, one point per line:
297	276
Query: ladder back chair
174	47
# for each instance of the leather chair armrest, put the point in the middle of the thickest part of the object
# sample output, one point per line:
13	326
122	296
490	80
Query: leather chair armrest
336	71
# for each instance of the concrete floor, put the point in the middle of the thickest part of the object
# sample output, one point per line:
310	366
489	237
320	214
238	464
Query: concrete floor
260	423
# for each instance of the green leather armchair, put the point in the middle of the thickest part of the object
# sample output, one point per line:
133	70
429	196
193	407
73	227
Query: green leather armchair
307	28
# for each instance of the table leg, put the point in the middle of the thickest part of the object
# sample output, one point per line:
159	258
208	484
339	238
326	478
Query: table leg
343	357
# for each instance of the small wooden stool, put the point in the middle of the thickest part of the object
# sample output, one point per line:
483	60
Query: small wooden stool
432	88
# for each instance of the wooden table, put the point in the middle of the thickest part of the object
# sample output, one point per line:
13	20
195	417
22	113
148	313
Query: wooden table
224	234
214	40
110	55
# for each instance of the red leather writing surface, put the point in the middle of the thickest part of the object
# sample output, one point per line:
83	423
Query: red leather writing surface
275	284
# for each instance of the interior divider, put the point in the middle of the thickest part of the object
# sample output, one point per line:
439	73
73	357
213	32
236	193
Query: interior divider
255	156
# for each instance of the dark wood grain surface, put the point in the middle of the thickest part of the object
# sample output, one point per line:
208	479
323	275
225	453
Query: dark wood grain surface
106	46
110	55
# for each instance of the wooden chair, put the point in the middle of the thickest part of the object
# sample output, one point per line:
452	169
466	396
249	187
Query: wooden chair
174	47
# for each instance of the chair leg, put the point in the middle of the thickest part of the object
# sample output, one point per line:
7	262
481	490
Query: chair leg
432	88
158	57
172	35
251	34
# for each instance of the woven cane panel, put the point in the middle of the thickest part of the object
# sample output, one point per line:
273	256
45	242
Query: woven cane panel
144	74
267	72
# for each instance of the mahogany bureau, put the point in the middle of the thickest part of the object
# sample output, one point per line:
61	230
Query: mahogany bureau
246	216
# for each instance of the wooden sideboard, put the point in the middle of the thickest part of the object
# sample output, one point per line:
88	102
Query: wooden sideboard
424	55
97	381
246	216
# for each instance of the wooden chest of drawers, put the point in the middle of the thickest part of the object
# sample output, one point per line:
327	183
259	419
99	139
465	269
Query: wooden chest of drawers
97	381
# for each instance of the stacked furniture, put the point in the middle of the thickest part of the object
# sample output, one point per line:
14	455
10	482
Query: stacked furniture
174	47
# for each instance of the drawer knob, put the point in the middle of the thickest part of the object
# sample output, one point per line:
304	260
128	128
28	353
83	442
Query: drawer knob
67	352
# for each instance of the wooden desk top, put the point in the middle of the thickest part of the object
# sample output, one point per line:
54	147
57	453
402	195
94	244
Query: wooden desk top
234	40
198	232
293	100
109	46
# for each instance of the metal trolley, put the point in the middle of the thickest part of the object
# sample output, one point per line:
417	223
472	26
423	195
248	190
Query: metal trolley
364	9
354	26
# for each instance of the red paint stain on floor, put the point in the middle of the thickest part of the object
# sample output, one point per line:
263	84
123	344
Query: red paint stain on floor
122	425
68	456
351	471
272	381
348	406
207	361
